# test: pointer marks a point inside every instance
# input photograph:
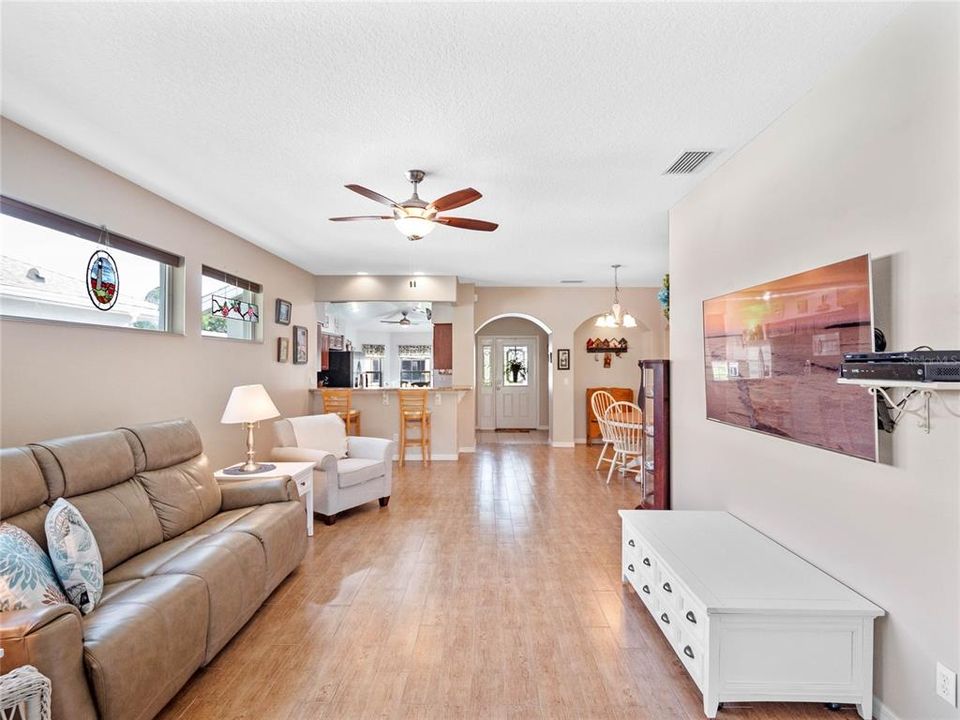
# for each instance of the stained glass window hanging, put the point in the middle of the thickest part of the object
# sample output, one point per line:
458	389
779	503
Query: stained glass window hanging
515	367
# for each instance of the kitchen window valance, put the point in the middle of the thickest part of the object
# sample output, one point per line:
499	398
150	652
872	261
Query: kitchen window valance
415	351
374	351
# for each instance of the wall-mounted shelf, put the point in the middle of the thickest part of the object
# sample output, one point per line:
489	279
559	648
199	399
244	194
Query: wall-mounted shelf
927	390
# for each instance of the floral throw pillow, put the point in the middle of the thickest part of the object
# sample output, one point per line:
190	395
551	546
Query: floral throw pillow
75	555
27	580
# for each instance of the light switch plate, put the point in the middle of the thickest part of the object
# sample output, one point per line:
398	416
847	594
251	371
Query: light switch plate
947	684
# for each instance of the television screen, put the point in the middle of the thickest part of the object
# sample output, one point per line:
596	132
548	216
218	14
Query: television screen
772	354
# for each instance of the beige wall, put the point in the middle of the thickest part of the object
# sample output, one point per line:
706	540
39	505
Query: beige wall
623	371
338	288
518	327
59	380
563	310
866	162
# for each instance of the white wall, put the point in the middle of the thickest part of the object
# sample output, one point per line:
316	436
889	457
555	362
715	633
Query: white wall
866	162
61	380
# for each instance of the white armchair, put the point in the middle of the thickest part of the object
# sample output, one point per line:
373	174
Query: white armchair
349	471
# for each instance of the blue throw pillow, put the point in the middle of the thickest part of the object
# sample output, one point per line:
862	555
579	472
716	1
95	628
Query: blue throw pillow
27	580
75	555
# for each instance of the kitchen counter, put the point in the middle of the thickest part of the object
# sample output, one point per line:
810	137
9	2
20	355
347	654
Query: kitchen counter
380	416
454	388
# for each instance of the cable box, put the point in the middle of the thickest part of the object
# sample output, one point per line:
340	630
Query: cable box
901	370
905	356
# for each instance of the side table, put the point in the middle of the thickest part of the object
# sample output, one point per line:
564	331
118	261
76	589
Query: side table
300	472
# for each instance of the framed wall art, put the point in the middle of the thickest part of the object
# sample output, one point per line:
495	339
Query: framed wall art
284	312
563	359
300	353
283	349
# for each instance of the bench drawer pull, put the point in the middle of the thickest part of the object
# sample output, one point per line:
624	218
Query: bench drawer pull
646	589
631	568
646	561
691	617
666	586
631	543
688	651
665	618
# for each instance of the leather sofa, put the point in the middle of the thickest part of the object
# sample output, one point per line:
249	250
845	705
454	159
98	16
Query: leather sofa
186	563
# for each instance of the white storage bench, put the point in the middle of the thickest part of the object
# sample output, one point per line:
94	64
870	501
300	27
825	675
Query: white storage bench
749	620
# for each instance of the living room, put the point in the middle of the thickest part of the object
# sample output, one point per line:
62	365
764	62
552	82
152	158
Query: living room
192	157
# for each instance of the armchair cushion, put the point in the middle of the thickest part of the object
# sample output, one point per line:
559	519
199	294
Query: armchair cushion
322	459
321	432
354	471
370	447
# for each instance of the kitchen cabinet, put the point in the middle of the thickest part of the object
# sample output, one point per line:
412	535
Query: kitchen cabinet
443	346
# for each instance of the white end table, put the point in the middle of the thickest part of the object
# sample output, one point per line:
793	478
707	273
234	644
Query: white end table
300	472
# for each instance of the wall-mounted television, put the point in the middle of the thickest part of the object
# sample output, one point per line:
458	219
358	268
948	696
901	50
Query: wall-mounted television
772	354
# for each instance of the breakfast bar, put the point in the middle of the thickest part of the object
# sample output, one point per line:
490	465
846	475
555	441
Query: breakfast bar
381	416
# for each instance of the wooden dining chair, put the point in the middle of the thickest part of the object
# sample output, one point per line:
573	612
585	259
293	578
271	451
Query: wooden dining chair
599	402
339	401
624	422
414	415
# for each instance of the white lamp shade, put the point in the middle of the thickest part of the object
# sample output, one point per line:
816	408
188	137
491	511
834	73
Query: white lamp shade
248	403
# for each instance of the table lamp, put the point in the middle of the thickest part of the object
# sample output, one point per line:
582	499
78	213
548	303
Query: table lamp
249	404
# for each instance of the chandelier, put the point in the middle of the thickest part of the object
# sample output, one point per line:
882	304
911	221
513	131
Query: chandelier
617	317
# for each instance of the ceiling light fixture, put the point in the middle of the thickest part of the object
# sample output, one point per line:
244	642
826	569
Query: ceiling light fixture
617	317
362	272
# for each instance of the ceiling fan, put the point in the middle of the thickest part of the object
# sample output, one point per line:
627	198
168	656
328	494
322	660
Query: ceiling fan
416	218
403	321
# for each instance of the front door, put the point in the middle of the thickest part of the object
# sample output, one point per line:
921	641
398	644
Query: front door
516	396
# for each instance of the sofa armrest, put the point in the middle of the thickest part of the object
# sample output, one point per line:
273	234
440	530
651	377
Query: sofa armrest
247	493
324	460
51	639
370	448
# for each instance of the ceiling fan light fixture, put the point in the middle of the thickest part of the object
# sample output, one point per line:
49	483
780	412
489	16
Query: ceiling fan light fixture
415	222
629	321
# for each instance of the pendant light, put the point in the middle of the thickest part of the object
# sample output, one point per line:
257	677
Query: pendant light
617	317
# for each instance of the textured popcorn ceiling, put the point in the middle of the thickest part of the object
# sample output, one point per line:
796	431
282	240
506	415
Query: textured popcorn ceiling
563	116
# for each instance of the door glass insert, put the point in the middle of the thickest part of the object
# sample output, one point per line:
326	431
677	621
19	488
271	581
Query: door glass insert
486	365
515	366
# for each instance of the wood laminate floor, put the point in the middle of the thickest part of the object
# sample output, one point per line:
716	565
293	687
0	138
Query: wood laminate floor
489	588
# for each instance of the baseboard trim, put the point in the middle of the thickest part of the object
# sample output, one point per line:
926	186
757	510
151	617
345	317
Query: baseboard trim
580	441
881	711
543	427
469	449
415	457
558	444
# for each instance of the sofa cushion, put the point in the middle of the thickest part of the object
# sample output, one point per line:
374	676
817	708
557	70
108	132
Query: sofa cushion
233	568
122	520
141	645
22	483
27	579
354	471
279	529
182	495
146	563
75	555
321	432
162	444
84	463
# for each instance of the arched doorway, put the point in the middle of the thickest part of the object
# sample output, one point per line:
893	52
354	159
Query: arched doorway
513	380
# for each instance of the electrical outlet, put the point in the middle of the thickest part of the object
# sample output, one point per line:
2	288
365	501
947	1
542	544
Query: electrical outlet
947	684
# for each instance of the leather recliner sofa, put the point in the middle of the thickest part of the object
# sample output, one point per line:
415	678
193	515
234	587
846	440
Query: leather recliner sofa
187	562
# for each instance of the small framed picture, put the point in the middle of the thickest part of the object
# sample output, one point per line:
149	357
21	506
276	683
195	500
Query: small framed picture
283	349
563	359
300	354
284	311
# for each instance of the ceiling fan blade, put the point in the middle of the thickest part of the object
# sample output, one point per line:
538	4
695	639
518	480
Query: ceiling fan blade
362	217
456	199
375	196
467	223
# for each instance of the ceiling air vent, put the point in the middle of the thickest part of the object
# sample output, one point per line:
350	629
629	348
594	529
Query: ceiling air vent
689	162
571	282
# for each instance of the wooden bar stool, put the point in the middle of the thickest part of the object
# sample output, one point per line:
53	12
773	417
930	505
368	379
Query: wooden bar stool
339	401
414	414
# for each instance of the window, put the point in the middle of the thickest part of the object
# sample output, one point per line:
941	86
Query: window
415	365
230	306
56	268
487	365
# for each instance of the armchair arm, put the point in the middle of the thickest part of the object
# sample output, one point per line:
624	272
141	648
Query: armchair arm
51	639
370	448
324	460
247	493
